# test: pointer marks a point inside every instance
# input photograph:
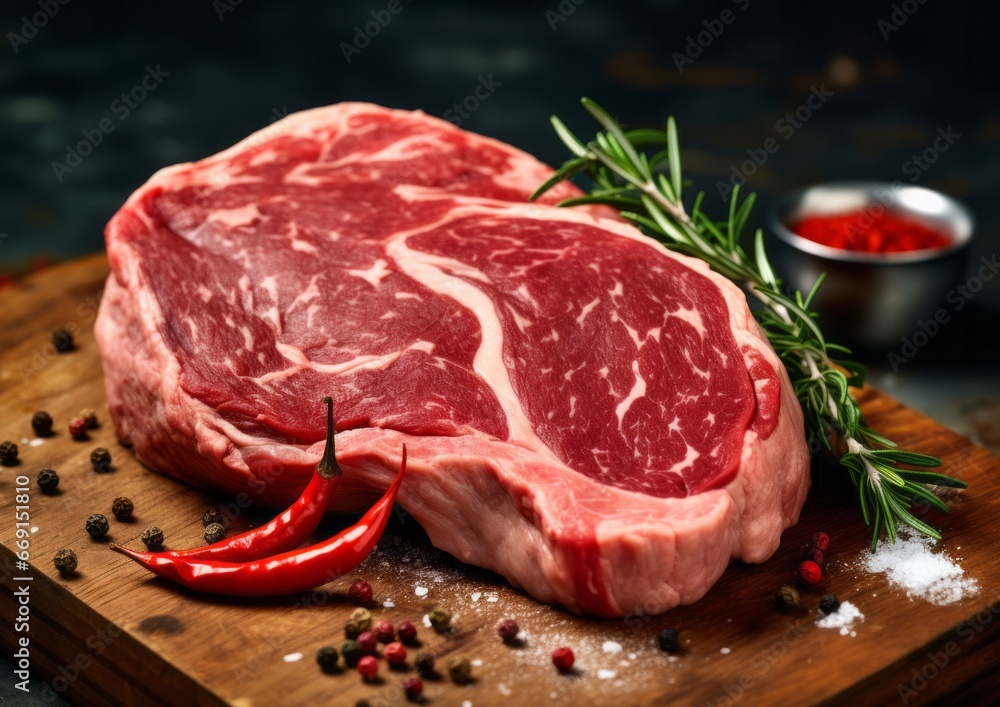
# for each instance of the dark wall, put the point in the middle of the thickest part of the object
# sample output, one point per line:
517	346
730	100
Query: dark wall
227	69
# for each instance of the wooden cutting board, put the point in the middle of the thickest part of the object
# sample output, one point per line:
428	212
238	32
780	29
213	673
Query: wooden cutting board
114	635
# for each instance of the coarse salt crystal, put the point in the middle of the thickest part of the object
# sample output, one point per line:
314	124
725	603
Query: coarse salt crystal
420	591
724	651
504	690
912	564
427	621
606	674
477	662
388	604
36	442
611	647
292	657
843	619
467	703
476	595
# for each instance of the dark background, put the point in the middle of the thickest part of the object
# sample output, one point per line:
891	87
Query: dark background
231	68
899	72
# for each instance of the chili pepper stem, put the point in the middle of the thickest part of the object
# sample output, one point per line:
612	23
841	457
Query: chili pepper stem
328	466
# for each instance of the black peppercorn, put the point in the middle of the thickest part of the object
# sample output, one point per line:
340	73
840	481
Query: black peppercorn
97	526
424	663
90	418
48	479
41	423
62	340
362	703
212	515
829	604
214	533
100	459
670	640
65	561
122	508
787	598
352	653
152	537
327	658
8	453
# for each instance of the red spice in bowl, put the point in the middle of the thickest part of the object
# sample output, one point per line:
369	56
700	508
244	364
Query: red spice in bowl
870	233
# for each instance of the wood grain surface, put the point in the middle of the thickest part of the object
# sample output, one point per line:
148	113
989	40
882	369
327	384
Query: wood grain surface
112	634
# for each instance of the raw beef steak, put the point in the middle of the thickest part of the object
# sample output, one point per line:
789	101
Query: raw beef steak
595	418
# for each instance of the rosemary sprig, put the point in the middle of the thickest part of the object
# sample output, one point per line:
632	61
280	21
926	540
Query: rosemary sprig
626	177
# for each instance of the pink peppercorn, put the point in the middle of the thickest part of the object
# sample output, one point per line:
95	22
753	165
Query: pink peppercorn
821	541
384	632
368	667
413	687
508	630
360	592
367	641
395	653
78	428
810	572
563	659
407	632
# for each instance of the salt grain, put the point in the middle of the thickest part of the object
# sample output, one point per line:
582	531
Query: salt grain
388	604
476	595
36	442
842	619
912	564
420	591
292	657
611	647
476	663
724	651
504	690
606	674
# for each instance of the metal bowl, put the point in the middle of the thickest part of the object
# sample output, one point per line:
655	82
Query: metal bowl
871	300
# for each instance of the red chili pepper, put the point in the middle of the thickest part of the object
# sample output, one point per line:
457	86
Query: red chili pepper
288	530
286	573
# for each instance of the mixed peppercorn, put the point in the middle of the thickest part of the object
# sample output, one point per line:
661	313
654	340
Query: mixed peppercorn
8	453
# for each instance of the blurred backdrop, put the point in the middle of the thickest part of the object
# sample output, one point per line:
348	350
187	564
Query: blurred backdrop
97	96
